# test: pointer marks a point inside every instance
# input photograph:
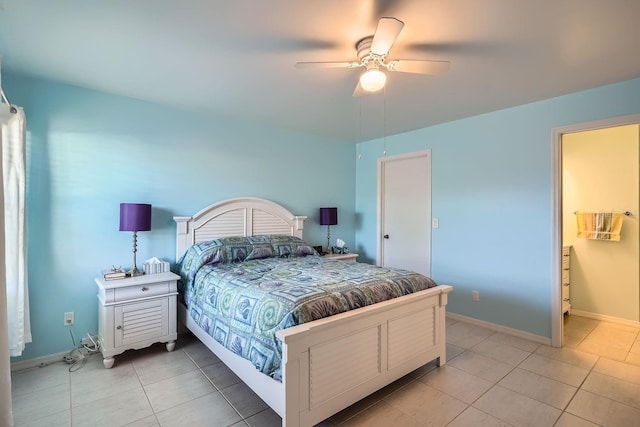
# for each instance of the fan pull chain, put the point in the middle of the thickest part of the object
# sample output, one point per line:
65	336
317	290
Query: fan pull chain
359	139
385	121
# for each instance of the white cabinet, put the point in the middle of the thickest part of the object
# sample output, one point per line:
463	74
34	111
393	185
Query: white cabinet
136	312
566	279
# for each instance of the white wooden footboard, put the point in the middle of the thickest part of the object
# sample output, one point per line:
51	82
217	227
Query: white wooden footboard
332	363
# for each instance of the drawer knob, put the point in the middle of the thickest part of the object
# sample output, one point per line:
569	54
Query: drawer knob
144	289
565	299
565	284
119	327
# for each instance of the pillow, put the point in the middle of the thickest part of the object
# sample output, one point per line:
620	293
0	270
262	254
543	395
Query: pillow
211	252
290	246
260	248
236	248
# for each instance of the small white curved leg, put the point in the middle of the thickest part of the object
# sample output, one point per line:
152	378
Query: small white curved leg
108	362
171	345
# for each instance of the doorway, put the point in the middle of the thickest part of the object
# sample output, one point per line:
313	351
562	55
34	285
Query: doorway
404	211
557	333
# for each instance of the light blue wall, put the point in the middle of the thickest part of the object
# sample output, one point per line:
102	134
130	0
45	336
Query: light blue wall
89	151
491	189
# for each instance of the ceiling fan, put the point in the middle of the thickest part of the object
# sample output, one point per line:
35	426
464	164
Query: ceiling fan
372	55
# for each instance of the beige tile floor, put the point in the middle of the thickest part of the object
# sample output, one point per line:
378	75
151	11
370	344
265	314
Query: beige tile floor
491	379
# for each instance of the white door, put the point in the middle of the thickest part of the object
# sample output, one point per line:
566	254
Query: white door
404	211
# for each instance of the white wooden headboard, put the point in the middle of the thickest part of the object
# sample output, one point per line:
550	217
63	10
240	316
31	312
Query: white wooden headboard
242	216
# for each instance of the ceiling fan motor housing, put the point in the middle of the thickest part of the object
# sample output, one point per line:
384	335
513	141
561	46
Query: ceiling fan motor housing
364	47
367	58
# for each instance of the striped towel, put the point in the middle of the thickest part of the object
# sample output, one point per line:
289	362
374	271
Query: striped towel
599	226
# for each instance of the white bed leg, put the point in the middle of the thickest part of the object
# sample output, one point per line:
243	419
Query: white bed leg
291	381
442	329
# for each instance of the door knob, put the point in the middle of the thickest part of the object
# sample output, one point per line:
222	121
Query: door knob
386	236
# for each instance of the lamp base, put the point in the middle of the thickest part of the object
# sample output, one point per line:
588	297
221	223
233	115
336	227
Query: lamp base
328	240
134	270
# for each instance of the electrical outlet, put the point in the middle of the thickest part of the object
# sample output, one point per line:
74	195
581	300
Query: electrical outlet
475	296
68	318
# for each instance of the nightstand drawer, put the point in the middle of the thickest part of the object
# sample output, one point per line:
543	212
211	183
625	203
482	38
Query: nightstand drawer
141	291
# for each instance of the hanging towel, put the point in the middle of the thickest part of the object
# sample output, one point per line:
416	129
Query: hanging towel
599	226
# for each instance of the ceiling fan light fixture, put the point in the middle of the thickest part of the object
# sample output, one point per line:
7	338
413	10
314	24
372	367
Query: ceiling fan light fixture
373	80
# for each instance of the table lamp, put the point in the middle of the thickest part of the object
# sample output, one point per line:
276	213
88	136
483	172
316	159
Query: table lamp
328	217
135	217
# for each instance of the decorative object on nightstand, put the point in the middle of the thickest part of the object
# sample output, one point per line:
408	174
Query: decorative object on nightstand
135	217
114	273
155	265
136	312
340	247
328	217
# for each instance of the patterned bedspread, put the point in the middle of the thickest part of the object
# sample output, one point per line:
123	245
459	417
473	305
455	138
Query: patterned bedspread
242	305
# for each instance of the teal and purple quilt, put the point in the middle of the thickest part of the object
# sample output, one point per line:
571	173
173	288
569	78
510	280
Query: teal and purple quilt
242	304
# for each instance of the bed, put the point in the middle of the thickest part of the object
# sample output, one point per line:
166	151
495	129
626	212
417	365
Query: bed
317	377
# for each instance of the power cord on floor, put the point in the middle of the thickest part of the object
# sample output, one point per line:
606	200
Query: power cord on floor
81	352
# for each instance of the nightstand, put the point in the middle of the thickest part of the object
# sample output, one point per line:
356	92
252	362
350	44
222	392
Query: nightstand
136	312
342	257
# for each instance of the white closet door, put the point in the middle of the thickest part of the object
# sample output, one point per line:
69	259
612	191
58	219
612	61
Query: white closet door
404	212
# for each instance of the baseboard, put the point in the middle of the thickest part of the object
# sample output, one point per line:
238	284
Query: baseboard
605	318
499	328
58	357
38	361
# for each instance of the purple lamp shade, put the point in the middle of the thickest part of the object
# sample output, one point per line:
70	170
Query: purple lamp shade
328	216
135	217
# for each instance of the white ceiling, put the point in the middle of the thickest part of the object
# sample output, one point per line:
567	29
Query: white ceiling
236	57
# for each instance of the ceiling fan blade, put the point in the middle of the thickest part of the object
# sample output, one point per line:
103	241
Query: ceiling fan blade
330	64
359	91
386	33
419	66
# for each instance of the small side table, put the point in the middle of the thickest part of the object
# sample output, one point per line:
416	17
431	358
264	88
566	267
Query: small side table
342	257
136	312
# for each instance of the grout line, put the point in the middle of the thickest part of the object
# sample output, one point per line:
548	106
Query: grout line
219	390
591	370
632	343
495	383
144	390
576	393
70	399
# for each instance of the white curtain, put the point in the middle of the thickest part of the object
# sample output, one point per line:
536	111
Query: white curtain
15	328
6	417
14	176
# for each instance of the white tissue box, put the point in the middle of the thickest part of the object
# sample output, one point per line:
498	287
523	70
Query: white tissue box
155	266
